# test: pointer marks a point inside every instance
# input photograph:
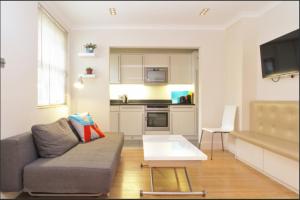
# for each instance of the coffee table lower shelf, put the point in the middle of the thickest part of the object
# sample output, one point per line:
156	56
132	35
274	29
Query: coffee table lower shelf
152	192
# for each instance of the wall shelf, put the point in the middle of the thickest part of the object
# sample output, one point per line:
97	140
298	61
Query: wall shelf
87	75
83	54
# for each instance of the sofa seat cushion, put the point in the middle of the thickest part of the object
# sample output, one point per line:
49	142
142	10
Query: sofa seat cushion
276	145
86	168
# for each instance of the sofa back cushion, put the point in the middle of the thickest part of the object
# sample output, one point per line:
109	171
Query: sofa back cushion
54	139
279	119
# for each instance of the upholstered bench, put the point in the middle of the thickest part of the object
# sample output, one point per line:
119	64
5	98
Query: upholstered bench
272	143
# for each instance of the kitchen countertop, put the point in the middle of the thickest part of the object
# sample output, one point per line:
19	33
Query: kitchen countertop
145	102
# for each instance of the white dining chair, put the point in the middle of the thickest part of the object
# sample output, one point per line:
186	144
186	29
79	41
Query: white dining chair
226	127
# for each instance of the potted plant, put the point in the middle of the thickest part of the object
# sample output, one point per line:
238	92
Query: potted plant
90	47
89	70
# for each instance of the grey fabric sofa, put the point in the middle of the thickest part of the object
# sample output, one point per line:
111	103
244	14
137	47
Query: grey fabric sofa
86	169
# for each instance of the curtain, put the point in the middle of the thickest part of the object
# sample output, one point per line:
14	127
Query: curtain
51	61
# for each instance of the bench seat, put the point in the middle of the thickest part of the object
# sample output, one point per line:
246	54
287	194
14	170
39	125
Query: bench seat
276	145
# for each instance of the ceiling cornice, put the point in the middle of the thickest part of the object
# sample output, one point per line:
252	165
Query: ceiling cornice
250	14
148	27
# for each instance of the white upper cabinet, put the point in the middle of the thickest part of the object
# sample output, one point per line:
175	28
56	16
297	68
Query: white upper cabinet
156	60
180	70
114	68
132	68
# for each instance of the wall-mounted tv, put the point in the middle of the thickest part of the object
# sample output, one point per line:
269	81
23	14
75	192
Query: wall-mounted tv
280	56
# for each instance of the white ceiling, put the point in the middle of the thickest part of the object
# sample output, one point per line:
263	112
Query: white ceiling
157	14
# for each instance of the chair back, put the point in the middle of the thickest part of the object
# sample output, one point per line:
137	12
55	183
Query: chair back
228	118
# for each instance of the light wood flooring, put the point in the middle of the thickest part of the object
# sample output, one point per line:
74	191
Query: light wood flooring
223	177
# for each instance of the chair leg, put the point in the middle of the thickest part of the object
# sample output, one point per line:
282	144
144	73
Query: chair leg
212	144
222	140
201	139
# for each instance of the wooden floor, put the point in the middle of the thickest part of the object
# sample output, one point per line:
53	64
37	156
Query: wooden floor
222	177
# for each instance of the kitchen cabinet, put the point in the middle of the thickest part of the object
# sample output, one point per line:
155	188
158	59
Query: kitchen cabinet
114	68
132	120
180	70
183	120
156	60
114	119
131	68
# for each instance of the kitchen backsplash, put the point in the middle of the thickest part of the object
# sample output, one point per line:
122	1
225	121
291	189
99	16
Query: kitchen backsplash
139	91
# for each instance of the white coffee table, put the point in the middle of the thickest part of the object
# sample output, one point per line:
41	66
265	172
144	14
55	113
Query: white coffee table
173	151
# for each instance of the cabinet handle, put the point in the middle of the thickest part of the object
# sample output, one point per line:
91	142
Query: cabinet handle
118	122
169	70
143	68
119	68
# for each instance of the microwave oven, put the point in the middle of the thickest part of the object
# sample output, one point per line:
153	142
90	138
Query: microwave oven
156	75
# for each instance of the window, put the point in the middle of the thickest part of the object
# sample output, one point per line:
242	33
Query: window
52	42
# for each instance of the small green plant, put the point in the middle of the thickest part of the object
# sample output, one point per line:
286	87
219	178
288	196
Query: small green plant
90	46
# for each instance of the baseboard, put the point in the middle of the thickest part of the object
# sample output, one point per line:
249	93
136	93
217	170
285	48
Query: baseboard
268	175
9	195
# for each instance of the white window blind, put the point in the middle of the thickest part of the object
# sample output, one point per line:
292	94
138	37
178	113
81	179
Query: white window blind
52	40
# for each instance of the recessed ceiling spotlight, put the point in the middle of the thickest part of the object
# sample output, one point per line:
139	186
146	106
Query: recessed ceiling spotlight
204	11
112	11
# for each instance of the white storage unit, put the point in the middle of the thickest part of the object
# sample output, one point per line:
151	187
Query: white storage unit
131	68
277	167
282	169
114	119
249	153
156	60
183	120
132	120
114	68
180	70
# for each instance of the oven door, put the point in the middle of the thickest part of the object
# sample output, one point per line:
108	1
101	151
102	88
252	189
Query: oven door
156	75
157	121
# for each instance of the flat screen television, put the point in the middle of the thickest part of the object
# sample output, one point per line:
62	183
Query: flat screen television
280	56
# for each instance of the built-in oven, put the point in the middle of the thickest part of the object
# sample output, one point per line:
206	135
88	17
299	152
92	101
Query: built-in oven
156	75
157	118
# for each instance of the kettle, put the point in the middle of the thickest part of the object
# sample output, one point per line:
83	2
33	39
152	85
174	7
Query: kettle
124	98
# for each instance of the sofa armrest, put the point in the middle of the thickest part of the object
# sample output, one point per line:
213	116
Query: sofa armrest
16	153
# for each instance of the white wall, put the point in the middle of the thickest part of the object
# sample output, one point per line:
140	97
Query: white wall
282	19
94	98
243	68
19	22
244	82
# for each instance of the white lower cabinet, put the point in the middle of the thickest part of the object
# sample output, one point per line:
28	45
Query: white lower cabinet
132	120
114	119
183	120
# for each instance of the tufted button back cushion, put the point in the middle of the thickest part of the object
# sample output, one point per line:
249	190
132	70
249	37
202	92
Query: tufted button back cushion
279	119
